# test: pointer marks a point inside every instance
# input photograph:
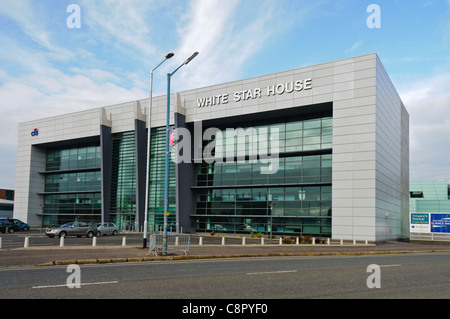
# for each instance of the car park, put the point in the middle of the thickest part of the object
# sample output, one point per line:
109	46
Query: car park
78	229
107	229
20	224
7	226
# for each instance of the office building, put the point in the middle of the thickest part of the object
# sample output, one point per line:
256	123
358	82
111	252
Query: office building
320	150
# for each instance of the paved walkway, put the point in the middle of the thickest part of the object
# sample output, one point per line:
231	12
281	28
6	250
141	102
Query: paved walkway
26	257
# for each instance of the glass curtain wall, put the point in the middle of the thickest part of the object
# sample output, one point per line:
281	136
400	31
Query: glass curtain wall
235	196
72	185
157	183
123	181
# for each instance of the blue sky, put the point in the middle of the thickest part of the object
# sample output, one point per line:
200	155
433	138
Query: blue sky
48	69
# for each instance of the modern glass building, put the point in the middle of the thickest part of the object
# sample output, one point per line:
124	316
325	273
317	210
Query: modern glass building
429	203
237	196
6	202
429	197
320	150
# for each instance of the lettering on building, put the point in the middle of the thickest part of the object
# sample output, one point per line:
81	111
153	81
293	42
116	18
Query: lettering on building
256	93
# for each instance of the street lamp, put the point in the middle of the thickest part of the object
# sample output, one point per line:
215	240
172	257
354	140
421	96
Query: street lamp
166	186
168	56
271	205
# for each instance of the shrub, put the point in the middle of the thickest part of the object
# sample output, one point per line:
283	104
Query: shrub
305	240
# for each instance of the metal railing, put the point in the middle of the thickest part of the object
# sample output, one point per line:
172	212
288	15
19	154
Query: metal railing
442	237
176	243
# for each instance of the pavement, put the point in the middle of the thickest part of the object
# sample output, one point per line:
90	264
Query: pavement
50	256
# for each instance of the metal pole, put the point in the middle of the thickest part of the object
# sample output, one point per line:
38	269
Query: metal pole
166	182
166	176
271	205
271	222
149	123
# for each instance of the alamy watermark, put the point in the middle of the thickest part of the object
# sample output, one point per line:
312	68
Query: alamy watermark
226	146
374	19
74	19
74	279
374	280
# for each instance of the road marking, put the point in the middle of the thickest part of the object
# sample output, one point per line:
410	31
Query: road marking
271	272
397	265
83	284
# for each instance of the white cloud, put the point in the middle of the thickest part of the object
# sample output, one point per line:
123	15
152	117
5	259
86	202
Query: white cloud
428	104
226	34
121	24
355	45
35	97
34	86
22	13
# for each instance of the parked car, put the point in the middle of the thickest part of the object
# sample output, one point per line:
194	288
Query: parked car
107	229
21	225
73	229
6	225
245	227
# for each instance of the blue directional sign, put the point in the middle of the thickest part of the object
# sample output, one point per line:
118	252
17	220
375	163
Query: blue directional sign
440	223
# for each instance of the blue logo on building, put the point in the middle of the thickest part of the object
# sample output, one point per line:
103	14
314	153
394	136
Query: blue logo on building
35	132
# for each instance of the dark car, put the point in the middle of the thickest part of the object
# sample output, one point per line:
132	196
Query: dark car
20	224
6	225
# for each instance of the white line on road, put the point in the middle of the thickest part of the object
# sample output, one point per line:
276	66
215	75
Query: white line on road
271	272
397	265
83	284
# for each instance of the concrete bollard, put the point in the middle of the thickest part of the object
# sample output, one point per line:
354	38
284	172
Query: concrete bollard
176	241
94	241
281	241
297	241
243	241
124	241
26	244
313	241
354	241
367	242
61	242
328	241
223	241
0	243
262	240
200	241
342	242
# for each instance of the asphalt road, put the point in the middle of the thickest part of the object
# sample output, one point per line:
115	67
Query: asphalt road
327	277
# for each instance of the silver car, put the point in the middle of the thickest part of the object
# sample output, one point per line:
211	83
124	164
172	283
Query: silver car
78	229
107	229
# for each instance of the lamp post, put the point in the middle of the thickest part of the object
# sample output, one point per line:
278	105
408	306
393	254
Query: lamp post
271	205
147	180
166	185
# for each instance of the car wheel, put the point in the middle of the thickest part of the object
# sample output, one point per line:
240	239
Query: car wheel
99	234
114	233
62	234
26	228
11	231
90	234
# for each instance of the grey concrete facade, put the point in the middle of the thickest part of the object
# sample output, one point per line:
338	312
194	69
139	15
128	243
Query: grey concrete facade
370	157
